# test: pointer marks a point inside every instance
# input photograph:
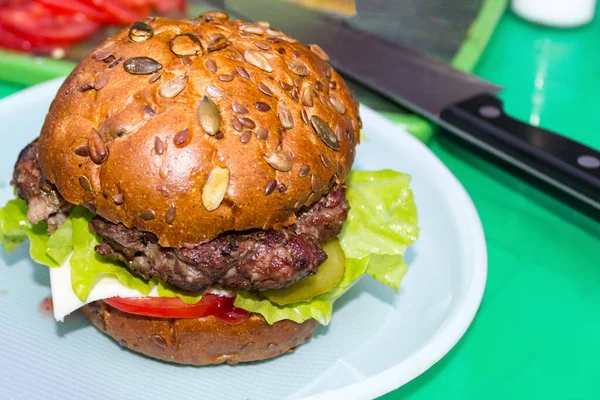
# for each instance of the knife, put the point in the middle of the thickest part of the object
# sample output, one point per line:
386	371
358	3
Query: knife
461	103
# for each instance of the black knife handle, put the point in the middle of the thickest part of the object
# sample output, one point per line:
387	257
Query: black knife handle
548	155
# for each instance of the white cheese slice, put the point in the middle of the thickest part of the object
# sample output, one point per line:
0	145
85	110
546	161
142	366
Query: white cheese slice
65	301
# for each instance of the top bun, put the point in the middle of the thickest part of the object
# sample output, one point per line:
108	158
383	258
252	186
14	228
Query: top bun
189	128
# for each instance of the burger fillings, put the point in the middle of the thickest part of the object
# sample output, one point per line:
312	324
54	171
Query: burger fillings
213	164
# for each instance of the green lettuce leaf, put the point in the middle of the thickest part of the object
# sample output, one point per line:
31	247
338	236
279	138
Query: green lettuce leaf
60	243
87	267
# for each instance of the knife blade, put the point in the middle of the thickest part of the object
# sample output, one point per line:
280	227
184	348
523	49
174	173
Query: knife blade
463	104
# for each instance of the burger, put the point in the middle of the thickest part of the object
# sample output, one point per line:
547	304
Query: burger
191	191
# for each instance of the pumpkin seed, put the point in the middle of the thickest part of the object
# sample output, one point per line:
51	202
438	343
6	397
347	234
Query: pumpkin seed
285	116
215	188
315	48
280	161
208	116
97	147
255	58
140	31
186	44
324	132
142	65
173	87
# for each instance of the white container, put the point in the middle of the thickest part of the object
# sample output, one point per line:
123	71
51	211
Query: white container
559	13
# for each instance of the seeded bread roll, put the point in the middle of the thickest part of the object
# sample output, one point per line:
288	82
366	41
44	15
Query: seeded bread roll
190	128
199	341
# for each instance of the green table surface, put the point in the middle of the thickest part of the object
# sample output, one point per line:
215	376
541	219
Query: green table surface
537	333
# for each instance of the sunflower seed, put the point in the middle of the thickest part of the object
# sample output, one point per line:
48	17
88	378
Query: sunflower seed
173	87
181	137
281	187
213	15
295	95
100	83
315	48
142	65
214	91
246	136
314	184
273	32
82	151
118	198
216	42
325	161
186	44
285	116
170	214
159	147
324	132
265	89
245	35
333	85
97	147
90	206
147	215
288	39
285	85
319	86
148	110
304	171
260	106
273	40
337	104
225	78
262	134
280	50
263	24
103	54
262	45
280	160
257	30
258	60
208	116
237	125
211	66
247	122
155	77
298	68
219	135
304	116
239	109
233	54
308	96
215	188
271	185
84	182
324	100
140	31
241	71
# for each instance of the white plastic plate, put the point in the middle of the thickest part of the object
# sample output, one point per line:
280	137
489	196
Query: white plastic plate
377	341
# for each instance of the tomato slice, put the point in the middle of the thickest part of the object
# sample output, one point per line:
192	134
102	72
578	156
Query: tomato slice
172	307
34	22
10	40
122	11
71	7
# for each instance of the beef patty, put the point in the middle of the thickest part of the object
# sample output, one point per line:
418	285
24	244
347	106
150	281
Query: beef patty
242	261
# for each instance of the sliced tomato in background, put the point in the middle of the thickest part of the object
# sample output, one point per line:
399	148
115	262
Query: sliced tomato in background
172	307
71	7
9	40
124	12
33	21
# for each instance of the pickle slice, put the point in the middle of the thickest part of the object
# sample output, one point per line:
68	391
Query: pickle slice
329	274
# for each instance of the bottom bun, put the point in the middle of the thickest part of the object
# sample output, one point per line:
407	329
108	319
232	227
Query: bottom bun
199	341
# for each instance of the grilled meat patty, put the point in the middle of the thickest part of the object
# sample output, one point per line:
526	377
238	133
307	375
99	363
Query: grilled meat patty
242	261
